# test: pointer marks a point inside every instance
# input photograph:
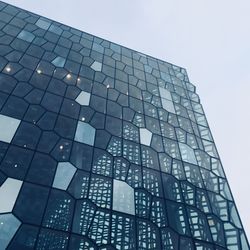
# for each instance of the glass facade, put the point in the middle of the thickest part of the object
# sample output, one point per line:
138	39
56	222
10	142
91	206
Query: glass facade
102	147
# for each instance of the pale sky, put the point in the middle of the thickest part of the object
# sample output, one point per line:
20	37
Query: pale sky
210	38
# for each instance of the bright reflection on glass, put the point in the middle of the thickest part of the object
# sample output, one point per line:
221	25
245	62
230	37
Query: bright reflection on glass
8	127
83	98
8	194
26	36
8	227
97	66
59	61
168	105
164	93
43	24
145	136
187	153
123	197
166	99
85	133
64	174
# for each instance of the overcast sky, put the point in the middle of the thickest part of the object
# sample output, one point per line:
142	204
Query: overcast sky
210	38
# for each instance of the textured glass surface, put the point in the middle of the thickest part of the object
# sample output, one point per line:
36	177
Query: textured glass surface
64	174
103	147
8	194
123	197
8	127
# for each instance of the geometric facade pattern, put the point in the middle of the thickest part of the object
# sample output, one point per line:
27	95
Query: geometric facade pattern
102	147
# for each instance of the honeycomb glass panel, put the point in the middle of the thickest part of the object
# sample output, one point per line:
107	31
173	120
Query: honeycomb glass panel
198	225
83	217
100	191
51	239
123	232
178	218
148	236
59	211
100	229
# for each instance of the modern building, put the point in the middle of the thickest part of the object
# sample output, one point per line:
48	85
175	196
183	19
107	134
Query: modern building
103	147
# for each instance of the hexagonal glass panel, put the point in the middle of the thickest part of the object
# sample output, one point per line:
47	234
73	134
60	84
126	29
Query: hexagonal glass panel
123	197
8	127
64	174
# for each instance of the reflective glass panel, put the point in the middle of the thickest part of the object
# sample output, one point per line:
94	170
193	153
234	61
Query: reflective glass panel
8	127
97	66
64	174
83	98
8	227
85	133
123	197
8	194
145	136
26	36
